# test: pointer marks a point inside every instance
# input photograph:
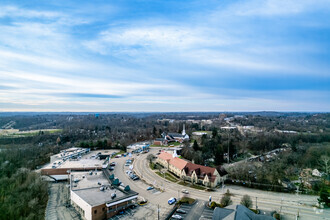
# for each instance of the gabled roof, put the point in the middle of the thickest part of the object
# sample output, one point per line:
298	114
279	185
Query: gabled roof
221	170
175	135
237	212
200	171
178	163
165	156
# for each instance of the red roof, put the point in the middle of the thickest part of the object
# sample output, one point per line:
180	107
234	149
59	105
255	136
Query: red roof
165	156
200	171
176	162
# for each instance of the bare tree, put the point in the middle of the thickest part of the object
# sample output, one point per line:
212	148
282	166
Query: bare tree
325	163
150	157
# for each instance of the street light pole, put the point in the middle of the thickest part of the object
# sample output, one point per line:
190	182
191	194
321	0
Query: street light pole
256	203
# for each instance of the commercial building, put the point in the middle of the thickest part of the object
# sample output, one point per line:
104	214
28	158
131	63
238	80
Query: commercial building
75	159
96	198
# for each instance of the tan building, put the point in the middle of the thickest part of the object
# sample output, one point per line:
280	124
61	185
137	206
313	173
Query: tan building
207	176
95	199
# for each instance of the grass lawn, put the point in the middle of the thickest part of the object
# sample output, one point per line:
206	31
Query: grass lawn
29	133
155	145
186	200
167	176
155	166
174	144
195	186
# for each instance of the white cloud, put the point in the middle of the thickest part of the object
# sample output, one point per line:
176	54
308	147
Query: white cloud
277	7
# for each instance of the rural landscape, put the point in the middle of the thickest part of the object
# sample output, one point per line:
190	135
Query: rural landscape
164	110
268	151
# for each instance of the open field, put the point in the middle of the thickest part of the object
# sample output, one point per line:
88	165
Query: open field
14	133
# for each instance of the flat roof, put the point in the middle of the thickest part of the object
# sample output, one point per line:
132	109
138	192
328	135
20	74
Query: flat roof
86	161
88	189
86	180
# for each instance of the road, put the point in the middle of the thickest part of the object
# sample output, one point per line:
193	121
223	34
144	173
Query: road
154	197
268	201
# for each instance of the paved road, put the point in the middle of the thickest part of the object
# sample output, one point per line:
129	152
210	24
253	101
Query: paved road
291	204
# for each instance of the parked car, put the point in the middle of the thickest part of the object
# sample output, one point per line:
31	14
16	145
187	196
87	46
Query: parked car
185	191
181	211
113	164
177	217
171	201
111	168
136	178
127	164
150	188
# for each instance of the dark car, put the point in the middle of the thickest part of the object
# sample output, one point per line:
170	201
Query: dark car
181	211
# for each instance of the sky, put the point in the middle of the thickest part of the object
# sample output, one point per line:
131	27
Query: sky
165	56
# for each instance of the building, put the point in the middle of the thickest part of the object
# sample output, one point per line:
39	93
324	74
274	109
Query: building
237	212
95	198
159	141
75	159
71	153
207	176
172	137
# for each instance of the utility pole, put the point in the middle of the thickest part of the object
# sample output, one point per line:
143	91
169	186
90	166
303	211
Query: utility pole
256	203
158	211
281	205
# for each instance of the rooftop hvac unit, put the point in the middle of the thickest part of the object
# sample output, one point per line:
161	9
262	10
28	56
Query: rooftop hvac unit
113	195
102	188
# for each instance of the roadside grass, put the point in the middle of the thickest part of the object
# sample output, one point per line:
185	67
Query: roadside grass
155	166
167	176
194	186
155	145
186	200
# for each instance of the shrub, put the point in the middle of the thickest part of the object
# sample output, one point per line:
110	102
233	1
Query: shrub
226	200
246	201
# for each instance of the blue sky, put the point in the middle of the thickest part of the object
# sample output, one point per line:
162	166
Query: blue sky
252	55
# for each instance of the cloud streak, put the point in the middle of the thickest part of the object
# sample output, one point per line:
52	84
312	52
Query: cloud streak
233	55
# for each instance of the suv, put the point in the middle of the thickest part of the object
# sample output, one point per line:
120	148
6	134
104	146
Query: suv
171	201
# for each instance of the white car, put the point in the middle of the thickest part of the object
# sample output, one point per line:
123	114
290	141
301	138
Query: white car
177	217
185	191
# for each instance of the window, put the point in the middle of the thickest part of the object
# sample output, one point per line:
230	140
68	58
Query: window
103	209
95	211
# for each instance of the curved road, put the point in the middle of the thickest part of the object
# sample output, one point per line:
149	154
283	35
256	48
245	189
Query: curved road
269	201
